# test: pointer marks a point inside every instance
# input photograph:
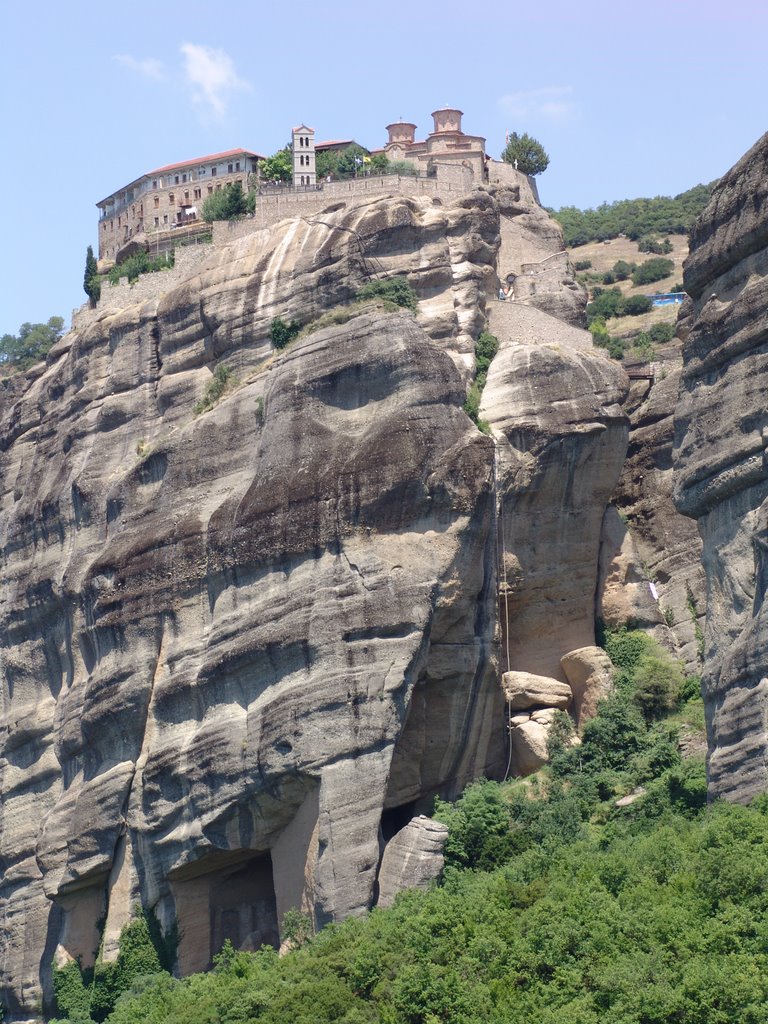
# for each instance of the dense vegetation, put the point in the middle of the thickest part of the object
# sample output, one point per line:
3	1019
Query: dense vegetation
486	347
30	345
556	906
635	218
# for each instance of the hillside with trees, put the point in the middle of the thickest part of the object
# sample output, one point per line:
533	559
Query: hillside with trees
635	218
600	891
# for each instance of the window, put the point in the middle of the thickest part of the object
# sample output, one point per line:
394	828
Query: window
154	183
198	193
157	222
176	182
218	188
157	201
171	199
213	172
229	168
237	166
186	195
165	218
201	172
210	189
183	177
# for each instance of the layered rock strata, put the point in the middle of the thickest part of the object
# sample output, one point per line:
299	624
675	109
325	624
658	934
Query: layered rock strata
239	648
721	465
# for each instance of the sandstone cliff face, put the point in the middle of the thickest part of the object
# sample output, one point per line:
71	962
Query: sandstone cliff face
239	649
721	465
648	546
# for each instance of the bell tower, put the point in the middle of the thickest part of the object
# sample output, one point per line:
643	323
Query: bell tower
303	149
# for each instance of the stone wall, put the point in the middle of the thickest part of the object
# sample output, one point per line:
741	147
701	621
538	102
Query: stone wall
147	286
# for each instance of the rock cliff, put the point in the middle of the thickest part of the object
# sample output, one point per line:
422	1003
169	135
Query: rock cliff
241	649
721	465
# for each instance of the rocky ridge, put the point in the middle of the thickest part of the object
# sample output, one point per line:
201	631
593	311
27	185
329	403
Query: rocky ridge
721	465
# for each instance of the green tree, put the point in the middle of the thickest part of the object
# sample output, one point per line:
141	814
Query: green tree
91	283
652	270
529	153
32	343
227	203
278	167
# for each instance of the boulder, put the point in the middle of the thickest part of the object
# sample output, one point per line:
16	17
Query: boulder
589	672
412	859
526	690
529	746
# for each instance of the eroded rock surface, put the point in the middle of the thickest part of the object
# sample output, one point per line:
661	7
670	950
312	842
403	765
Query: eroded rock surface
721	465
236	645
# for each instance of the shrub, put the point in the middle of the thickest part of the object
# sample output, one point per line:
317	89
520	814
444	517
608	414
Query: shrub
609	277
605	304
654	245
394	289
634	305
222	379
478	824
622	269
137	264
652	270
281	333
661	333
582	264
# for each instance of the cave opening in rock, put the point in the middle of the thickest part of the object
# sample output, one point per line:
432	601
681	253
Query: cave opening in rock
395	818
232	897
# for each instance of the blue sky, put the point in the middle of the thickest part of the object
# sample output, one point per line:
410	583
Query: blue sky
629	98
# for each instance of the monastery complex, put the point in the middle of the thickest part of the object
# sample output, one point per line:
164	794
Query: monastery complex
149	211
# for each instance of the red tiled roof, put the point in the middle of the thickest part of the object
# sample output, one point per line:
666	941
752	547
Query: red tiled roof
333	142
206	160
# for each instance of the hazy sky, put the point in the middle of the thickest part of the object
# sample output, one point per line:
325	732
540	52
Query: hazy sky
629	98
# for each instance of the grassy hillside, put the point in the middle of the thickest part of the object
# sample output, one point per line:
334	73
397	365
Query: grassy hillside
561	903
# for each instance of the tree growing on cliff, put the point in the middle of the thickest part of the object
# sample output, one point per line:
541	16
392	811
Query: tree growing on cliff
91	282
529	153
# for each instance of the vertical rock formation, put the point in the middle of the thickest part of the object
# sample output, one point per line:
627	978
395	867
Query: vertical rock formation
240	649
721	465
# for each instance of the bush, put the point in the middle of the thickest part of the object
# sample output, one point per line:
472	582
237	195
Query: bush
652	270
478	823
605	304
139	263
634	305
222	379
654	245
622	269
394	289
582	264
661	333
280	332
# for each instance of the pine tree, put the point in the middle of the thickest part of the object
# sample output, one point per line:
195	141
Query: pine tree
526	153
91	284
